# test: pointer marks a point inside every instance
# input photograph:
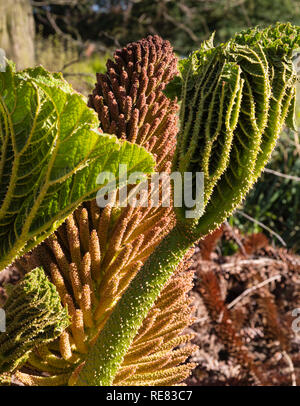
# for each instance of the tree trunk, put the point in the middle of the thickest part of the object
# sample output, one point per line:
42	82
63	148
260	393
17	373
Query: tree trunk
17	31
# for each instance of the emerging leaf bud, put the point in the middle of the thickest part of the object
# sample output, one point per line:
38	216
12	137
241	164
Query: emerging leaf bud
236	98
34	315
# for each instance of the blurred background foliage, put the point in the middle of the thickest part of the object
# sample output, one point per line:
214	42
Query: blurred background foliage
77	36
184	22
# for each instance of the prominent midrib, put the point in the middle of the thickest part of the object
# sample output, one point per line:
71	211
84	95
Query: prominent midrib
17	154
15	165
5	138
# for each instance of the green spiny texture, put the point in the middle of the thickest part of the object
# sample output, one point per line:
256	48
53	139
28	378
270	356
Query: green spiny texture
34	316
235	99
104	358
51	154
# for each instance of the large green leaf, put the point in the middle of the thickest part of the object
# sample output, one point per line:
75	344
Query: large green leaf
34	316
50	157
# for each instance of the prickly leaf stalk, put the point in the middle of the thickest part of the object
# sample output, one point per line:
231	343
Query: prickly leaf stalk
90	289
129	98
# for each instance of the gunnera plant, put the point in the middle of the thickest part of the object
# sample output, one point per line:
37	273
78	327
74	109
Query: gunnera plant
112	267
93	256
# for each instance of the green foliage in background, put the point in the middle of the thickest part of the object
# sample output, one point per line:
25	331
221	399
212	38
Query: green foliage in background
63	55
185	23
275	201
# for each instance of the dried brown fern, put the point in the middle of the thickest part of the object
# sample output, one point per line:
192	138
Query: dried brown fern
209	243
248	299
225	326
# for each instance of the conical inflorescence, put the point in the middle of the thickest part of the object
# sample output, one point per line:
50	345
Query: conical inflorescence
129	98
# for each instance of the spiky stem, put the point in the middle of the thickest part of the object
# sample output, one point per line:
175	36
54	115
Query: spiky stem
105	357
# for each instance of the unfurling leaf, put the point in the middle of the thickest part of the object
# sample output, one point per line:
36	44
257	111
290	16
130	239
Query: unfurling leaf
50	156
34	316
236	97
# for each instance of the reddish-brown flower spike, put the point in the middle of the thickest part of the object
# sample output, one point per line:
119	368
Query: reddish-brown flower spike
129	99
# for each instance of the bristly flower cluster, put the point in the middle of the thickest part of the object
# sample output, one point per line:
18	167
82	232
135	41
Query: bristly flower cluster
247	333
129	98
